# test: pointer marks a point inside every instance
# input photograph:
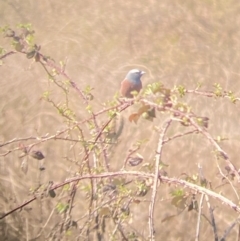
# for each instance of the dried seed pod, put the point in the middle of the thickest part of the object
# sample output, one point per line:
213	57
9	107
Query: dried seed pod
37	155
135	161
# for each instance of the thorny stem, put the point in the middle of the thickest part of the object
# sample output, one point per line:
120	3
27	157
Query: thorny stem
163	179
165	126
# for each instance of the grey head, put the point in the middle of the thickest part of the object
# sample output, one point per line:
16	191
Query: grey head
134	75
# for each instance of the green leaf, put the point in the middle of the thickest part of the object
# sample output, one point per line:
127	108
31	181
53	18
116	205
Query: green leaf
61	207
179	202
31	54
27	26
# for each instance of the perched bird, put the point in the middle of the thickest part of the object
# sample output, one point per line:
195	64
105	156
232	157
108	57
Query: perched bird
132	82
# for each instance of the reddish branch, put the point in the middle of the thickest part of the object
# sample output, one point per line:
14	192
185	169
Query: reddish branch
163	179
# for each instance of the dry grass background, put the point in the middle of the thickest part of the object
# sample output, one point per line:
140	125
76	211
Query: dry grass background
175	42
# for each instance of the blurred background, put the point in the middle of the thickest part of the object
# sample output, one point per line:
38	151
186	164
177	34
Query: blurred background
176	42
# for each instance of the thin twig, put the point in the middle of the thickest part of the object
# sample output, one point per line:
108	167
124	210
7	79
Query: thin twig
228	230
7	54
164	179
179	135
212	218
165	126
228	180
199	217
190	117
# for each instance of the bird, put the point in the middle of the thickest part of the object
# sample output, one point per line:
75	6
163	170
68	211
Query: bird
132	82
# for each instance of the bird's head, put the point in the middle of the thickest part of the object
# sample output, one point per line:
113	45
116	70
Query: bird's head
134	75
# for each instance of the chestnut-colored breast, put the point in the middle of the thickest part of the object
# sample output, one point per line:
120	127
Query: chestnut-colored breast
127	87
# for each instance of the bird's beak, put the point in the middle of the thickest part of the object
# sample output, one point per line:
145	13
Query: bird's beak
142	72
